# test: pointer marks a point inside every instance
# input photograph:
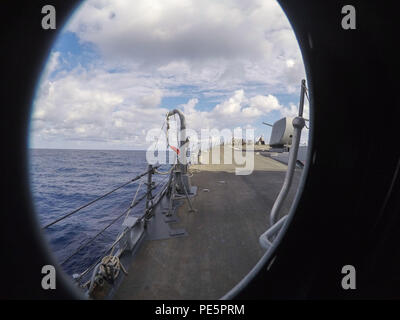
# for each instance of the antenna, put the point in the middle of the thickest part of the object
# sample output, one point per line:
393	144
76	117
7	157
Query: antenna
268	124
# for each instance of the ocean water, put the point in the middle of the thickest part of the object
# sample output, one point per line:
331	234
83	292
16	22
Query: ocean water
63	180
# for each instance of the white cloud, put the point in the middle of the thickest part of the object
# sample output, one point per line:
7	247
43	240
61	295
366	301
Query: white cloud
236	111
175	29
293	111
152	100
290	63
90	106
52	64
265	103
232	50
189	107
221	44
231	106
94	106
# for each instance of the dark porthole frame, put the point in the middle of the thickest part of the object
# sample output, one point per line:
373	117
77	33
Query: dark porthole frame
346	210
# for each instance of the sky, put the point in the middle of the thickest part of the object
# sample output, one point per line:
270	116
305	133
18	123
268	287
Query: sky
118	66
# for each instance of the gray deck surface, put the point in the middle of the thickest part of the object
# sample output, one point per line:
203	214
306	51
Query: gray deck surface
221	245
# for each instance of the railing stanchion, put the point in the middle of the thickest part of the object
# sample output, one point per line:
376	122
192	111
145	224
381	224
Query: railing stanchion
149	188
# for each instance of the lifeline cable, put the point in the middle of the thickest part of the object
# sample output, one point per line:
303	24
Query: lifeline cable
97	199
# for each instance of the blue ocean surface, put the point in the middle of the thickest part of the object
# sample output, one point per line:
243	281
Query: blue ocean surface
63	180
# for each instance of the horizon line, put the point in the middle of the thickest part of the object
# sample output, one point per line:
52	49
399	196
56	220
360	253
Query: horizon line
41	148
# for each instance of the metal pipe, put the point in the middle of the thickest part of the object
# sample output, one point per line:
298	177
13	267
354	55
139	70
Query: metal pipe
265	240
181	168
298	124
268	124
183	123
302	93
149	188
92	278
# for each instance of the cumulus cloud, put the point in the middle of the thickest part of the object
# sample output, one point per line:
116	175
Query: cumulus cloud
152	100
82	106
236	111
176	29
293	111
90	106
240	54
52	64
229	41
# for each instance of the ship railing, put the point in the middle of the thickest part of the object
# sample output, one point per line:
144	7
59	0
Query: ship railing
108	267
133	225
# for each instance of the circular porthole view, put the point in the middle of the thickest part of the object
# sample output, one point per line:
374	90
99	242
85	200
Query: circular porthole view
167	143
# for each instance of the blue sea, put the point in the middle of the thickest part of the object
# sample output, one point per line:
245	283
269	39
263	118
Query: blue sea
63	180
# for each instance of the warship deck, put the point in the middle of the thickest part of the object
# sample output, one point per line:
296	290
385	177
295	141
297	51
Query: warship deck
220	245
